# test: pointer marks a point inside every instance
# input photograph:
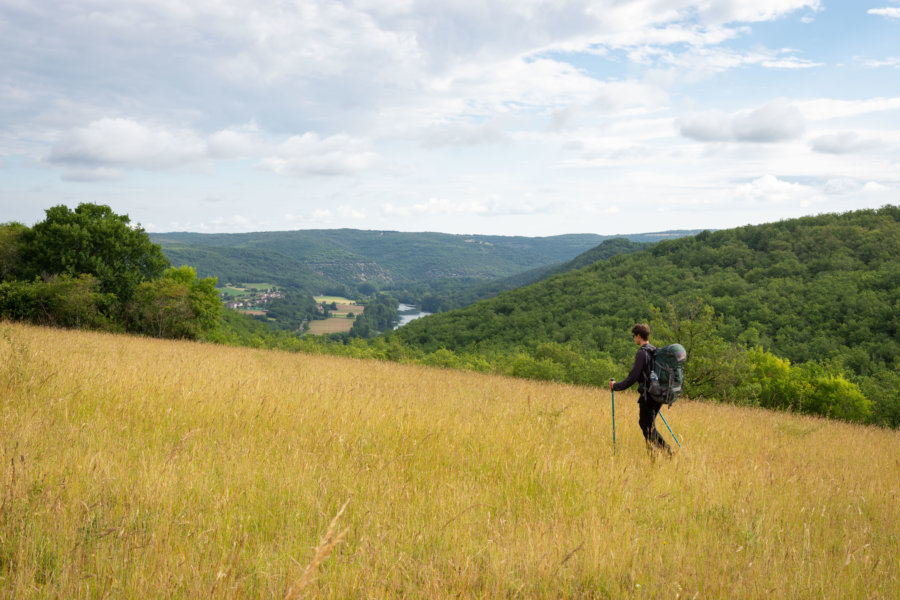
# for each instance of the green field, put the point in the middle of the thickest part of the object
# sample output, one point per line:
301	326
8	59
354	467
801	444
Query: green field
259	286
330	299
338	322
244	290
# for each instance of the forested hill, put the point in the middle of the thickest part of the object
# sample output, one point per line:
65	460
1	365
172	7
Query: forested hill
383	257
824	288
311	259
461	296
806	288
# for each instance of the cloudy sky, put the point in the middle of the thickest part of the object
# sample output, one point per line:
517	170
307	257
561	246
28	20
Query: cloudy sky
513	117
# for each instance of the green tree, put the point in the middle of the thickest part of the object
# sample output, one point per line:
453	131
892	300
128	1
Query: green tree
833	396
883	387
12	245
778	384
93	240
178	305
811	388
714	368
379	315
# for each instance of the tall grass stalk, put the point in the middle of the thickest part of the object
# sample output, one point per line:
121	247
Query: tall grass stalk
133	467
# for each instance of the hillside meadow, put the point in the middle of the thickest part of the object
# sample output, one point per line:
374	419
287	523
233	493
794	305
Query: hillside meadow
134	467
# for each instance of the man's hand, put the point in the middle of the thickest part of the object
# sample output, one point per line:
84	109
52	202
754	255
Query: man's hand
611	384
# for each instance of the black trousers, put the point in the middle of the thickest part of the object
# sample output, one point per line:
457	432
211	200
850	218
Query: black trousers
647	419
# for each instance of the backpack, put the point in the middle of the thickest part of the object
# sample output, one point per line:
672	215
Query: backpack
666	373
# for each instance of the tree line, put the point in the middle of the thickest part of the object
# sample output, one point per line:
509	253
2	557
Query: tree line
91	268
797	315
820	294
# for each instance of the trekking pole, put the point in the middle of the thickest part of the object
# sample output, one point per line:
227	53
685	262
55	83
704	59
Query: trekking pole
612	395
669	428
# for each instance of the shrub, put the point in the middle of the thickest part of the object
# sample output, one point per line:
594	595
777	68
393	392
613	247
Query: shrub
810	388
58	301
532	368
178	305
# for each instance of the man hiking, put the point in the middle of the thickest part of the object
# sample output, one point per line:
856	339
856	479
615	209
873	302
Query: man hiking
640	374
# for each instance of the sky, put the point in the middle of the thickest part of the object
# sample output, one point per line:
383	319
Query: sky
501	117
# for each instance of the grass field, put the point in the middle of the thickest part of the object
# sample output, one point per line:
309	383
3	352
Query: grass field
330	325
246	290
330	299
338	321
134	467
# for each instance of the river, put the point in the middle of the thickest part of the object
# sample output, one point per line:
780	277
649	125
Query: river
407	313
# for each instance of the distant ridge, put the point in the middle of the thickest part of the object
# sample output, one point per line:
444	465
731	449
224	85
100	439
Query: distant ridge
319	260
674	233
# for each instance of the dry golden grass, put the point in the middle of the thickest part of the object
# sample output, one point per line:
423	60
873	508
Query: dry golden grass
132	467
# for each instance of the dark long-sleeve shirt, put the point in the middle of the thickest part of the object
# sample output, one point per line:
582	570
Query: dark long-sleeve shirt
641	363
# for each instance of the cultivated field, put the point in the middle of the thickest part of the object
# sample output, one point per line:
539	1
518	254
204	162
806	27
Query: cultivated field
138	468
246	290
330	325
330	299
344	305
338	321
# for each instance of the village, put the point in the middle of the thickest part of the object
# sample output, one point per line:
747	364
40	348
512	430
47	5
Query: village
249	297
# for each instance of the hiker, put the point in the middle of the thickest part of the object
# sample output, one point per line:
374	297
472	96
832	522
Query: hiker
640	374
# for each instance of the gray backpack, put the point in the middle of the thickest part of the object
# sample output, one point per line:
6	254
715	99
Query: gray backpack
666	373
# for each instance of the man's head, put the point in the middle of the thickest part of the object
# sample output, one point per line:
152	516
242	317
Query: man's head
641	333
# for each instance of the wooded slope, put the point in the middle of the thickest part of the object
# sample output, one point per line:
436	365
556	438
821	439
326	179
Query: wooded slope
823	289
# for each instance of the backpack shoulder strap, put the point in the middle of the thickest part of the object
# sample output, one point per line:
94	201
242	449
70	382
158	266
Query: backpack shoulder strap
650	349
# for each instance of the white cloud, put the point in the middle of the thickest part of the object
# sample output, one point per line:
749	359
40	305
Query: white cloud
470	104
769	190
608	151
890	61
773	122
563	117
235	143
709	126
829	108
600	208
703	62
728	11
308	154
225	61
107	147
841	186
501	86
465	134
889	12
325	216
349	212
642	39
789	62
849	187
92	174
616	96
321	215
124	143
874	186
489	206
843	142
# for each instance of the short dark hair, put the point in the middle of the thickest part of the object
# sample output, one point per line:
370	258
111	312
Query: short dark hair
641	329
